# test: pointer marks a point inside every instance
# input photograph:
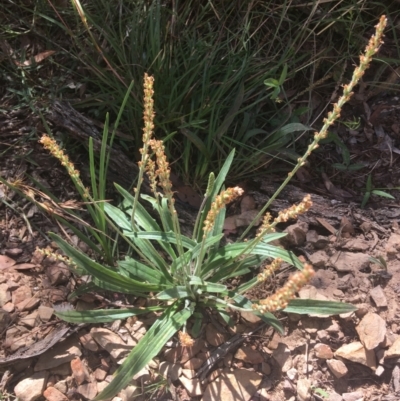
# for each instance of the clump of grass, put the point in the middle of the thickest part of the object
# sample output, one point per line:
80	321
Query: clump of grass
214	63
211	62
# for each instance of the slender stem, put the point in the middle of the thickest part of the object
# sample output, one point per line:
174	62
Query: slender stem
365	60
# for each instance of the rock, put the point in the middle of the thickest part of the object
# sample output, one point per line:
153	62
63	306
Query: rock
338	368
323	351
31	388
111	342
303	389
182	354
189	373
155	363
101	386
338	293
371	330
283	357
5	294
292	374
170	370
334	328
61	353
88	390
323	335
28	304
295	340
79	371
8	307
250	317
349	261
378	297
362	309
296	234
193	363
5	322
192	386
354	396
230	224
214	336
319	259
100	374
356	244
214	374
52	394
334	396
247	354
58	274
245	218
394	350
317	241
247	203
14	251
240	385
88	342
393	246
130	393
62	370
16	337
21	294
356	352
288	386
29	320
345	283
61	386
275	341
143	375
45	313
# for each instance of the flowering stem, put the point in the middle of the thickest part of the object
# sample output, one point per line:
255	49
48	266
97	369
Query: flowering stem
148	117
365	59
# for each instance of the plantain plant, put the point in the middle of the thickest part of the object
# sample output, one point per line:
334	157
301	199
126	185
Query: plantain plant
187	274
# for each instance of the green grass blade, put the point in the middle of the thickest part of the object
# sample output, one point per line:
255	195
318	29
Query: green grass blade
231	113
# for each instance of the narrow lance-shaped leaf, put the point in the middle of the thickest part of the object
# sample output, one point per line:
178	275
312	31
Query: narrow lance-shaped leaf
103	275
103	315
315	307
